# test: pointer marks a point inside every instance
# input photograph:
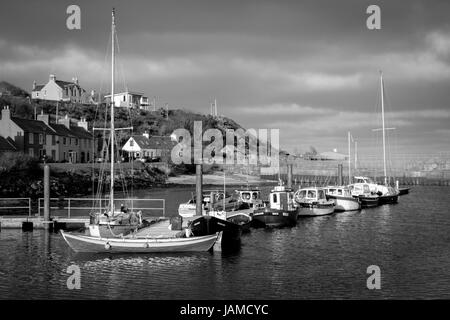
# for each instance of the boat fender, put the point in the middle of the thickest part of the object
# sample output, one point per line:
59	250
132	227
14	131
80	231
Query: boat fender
107	246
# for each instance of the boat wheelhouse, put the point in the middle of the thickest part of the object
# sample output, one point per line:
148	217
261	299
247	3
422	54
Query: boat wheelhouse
281	210
313	202
362	191
343	199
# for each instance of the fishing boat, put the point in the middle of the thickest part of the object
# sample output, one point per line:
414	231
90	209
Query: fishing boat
133	237
313	202
281	210
366	197
222	200
343	199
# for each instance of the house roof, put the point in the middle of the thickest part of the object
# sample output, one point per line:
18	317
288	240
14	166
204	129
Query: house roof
142	141
61	130
35	126
80	132
7	144
39	87
161	142
154	142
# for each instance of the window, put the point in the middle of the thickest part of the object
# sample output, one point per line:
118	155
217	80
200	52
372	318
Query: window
275	198
30	138
53	155
31	152
64	155
19	133
311	194
131	143
76	142
41	138
53	139
64	141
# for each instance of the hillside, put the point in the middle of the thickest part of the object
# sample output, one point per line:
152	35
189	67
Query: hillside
154	122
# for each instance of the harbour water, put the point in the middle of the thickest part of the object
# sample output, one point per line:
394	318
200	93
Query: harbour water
321	258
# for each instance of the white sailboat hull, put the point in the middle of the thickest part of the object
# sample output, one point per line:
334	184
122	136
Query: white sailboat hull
84	243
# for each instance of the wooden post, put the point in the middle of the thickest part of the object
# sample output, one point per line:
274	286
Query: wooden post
198	190
289	175
46	196
340	169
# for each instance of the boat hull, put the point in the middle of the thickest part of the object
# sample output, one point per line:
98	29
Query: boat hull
345	203
388	199
89	244
273	218
206	225
368	202
309	209
403	191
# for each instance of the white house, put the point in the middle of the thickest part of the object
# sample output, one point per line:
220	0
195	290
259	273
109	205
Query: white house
130	99
58	90
139	147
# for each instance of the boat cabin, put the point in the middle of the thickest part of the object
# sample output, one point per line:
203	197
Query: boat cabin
360	179
338	191
281	198
249	195
311	194
359	189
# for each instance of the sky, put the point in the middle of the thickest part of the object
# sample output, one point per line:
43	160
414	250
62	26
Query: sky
307	68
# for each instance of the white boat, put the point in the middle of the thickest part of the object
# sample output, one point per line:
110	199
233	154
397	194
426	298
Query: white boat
313	202
362	192
87	243
131	238
343	199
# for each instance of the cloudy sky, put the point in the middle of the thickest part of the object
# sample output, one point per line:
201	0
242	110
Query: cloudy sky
308	68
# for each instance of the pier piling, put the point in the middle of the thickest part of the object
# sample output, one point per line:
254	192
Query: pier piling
198	190
340	170
46	197
289	175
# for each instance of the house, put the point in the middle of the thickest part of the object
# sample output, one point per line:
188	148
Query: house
143	146
60	142
58	90
129	99
7	145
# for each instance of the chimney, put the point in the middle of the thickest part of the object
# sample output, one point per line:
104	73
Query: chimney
52	77
34	85
43	117
145	134
65	121
75	80
6	113
83	124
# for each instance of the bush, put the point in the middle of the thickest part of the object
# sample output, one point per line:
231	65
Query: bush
16	161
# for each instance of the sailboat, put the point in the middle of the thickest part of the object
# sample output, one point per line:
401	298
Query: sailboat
386	193
131	235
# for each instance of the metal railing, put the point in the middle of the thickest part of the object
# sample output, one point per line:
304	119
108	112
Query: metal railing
73	206
8	204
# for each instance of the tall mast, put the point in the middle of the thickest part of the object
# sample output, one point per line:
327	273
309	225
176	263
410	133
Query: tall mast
111	199
349	161
383	128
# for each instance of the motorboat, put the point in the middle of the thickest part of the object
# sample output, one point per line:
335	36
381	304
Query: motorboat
312	201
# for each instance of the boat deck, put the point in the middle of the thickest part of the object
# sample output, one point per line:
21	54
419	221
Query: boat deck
158	229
